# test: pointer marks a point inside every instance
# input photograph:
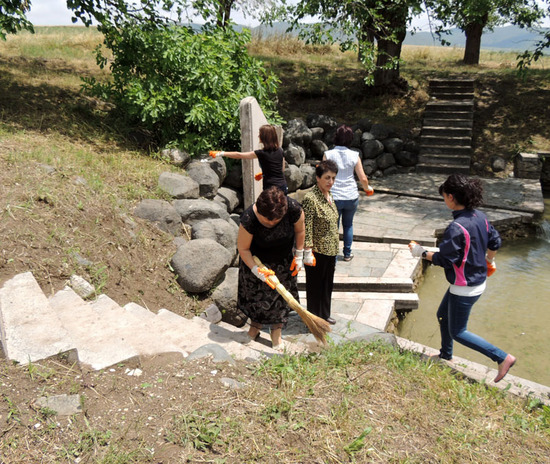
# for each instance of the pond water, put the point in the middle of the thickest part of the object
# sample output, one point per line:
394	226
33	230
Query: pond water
513	313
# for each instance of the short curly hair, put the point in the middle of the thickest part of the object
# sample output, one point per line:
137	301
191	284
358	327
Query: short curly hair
343	136
326	166
272	203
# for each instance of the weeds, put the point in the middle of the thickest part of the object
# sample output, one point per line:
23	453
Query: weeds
201	430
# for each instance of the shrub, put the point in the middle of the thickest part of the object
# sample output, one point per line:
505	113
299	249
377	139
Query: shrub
183	86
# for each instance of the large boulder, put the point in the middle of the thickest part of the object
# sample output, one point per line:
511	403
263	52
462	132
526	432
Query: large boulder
223	232
369	166
234	177
317	133
231	198
192	211
380	131
372	148
295	154
319	120
298	133
308	173
385	160
406	158
393	145
219	167
200	264
161	213
206	177
294	177
176	156
318	148
225	297
178	185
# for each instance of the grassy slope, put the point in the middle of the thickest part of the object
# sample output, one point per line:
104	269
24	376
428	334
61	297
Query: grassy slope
296	409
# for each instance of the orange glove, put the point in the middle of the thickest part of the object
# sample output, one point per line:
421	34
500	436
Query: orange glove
215	154
369	191
297	262
263	274
491	267
259	176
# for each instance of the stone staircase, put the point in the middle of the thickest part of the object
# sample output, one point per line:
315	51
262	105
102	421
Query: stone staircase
102	333
446	138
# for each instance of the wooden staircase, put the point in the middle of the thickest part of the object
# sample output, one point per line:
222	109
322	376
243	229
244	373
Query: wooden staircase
446	138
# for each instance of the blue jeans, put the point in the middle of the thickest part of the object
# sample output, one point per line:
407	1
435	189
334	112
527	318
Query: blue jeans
346	211
453	314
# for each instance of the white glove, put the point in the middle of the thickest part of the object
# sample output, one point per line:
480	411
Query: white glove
297	262
416	250
258	274
309	258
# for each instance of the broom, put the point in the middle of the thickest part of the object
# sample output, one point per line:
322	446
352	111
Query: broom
316	325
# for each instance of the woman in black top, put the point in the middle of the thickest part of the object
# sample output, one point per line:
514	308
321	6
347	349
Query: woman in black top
270	157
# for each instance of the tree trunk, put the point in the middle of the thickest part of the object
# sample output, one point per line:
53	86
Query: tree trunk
387	51
473	34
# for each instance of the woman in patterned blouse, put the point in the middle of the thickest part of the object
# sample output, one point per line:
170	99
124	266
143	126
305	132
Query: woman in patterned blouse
321	241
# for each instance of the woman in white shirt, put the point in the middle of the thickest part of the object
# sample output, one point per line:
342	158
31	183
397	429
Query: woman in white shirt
344	191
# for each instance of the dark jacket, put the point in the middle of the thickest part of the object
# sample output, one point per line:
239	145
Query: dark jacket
462	251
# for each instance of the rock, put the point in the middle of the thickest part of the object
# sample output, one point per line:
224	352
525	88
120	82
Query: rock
372	148
390	171
231	198
225	297
308	173
318	148
380	131
317	133
204	175
63	405
295	154
162	214
191	211
200	264
81	286
219	167
356	142
176	156
178	185
298	132
318	120
393	145
222	231
234	177
211	314
369	166
294	177
232	384
217	352
385	160
406	158
364	124
498	163
365	136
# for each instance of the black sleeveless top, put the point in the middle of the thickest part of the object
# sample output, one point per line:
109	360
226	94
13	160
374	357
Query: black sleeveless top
271	163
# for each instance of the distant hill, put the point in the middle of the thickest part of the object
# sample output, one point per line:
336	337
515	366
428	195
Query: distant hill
502	38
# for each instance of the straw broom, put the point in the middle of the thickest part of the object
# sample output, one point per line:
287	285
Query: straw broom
316	325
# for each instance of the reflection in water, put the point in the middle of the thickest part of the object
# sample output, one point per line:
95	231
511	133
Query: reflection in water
513	313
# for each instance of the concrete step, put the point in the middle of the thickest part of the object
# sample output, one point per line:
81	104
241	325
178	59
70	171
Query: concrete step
442	168
446	131
446	96
434	140
442	122
433	158
30	328
435	114
451	82
446	88
437	105
446	150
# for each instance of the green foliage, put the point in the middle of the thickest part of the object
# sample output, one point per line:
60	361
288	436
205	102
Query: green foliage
12	17
183	86
198	429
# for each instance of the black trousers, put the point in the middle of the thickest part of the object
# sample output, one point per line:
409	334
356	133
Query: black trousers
319	283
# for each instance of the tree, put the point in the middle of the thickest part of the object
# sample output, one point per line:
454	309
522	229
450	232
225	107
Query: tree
13	17
375	28
474	16
529	56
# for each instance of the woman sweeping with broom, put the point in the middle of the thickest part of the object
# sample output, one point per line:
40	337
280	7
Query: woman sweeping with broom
268	231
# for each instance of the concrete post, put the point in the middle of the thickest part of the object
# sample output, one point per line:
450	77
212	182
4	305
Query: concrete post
252	118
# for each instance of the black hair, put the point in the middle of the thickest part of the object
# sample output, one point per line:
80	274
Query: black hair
466	191
272	203
326	166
